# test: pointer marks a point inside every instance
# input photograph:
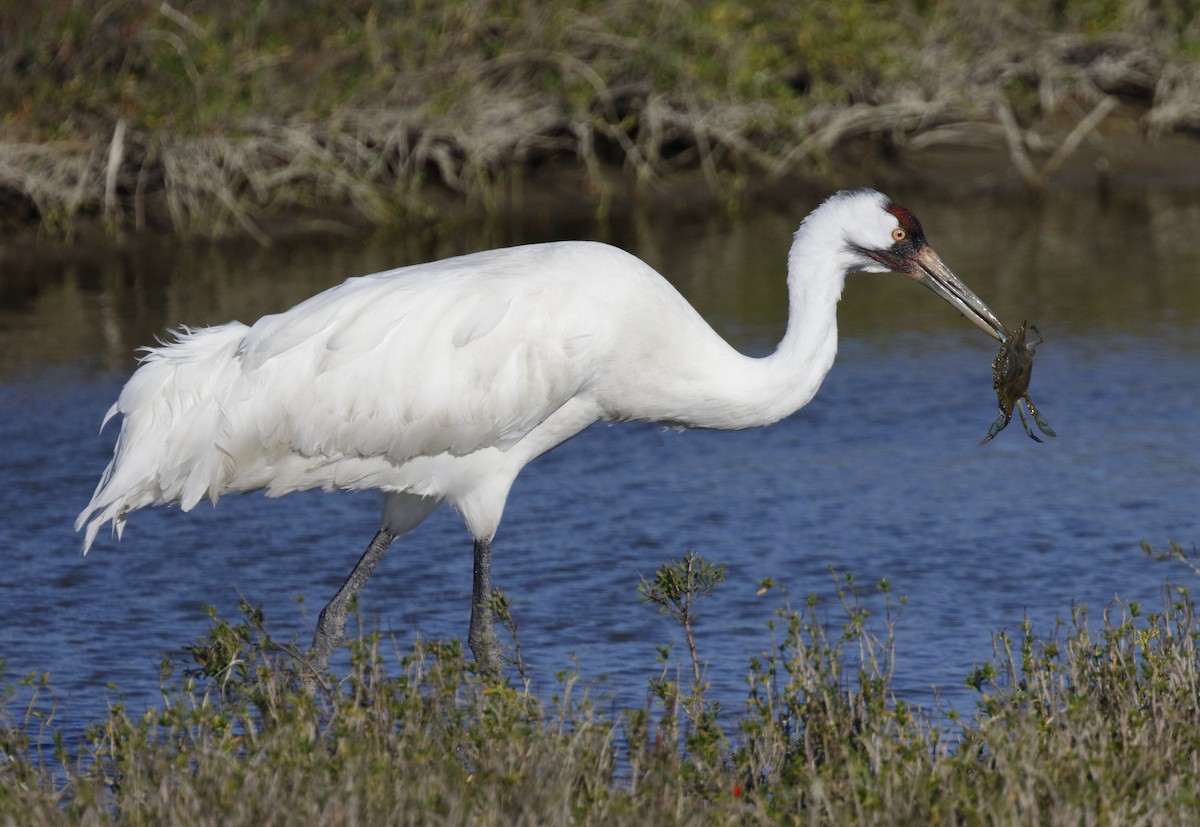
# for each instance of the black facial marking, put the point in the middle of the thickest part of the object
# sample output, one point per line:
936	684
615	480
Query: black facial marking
900	256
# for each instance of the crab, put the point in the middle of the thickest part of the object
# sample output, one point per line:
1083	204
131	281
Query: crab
1011	372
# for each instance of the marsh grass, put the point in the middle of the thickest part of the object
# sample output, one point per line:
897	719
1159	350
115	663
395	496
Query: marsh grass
1094	724
215	119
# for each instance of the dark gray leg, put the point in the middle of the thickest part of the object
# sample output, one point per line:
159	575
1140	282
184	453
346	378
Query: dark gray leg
485	646
331	625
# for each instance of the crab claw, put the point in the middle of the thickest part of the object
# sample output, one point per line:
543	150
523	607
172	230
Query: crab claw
1037	338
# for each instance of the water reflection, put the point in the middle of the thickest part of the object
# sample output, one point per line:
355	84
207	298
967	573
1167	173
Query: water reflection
1075	266
880	475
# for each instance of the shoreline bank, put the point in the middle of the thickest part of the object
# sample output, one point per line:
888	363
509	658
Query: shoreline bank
124	118
567	193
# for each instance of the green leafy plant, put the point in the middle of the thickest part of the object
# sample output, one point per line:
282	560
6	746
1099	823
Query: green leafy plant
1092	723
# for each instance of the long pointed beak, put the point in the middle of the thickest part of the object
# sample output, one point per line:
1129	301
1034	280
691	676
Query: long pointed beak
935	275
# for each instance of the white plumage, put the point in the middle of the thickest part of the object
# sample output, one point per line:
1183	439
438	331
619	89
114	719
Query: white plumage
439	382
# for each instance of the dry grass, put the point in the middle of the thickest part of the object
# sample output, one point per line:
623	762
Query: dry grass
195	118
1093	724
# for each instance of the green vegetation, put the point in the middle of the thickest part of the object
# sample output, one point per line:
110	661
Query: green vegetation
1094	724
203	117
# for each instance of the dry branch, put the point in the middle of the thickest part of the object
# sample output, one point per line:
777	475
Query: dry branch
485	96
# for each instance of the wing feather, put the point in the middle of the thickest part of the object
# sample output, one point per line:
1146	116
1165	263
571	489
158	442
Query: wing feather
439	360
384	381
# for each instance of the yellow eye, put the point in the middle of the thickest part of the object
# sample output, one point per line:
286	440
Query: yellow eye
899	234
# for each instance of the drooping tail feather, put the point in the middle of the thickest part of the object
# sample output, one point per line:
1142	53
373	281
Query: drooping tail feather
171	431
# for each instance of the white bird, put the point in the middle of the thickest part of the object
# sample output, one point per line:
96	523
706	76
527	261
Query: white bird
439	382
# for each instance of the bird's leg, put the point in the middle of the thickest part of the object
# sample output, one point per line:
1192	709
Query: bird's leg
331	625
485	646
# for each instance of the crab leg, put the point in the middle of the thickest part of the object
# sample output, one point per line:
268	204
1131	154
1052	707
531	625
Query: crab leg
999	425
1042	424
1024	421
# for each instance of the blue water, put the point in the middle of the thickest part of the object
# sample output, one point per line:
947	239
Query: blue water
880	476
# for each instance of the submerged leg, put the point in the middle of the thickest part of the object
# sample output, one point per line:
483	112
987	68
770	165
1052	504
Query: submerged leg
331	625
485	646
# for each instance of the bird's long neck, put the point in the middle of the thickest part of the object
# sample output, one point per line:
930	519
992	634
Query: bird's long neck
788	379
714	386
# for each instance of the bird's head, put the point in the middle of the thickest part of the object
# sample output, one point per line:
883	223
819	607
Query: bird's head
880	236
